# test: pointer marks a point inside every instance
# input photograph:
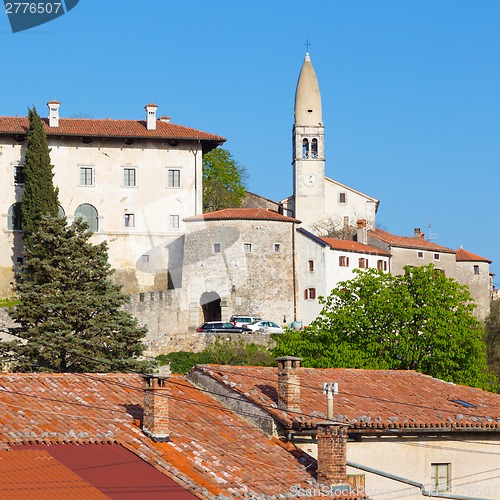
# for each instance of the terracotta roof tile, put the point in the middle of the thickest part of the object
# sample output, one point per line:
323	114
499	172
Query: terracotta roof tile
464	256
407	241
47	479
242	213
108	128
353	246
369	399
212	450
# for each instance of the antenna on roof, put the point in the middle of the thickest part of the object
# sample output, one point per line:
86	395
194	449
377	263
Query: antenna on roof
431	236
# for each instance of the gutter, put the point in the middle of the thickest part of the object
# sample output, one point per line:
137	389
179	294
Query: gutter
423	491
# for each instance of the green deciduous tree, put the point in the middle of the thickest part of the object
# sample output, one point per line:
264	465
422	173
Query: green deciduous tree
492	337
223	181
70	313
39	195
420	321
220	352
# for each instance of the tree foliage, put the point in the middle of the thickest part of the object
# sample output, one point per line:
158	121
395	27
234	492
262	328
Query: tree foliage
40	197
223	181
220	352
420	321
70	313
492	337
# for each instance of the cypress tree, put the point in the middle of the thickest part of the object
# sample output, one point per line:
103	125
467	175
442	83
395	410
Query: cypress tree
70	312
39	196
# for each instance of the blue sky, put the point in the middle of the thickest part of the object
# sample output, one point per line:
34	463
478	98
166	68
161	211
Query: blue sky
410	92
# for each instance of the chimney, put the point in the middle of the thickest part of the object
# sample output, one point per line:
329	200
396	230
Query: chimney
332	452
361	232
418	233
165	119
53	113
289	383
155	418
151	116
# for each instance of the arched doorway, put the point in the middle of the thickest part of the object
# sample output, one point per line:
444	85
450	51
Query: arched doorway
210	305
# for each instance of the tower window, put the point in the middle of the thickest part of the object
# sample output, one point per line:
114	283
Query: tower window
476	269
305	148
314	148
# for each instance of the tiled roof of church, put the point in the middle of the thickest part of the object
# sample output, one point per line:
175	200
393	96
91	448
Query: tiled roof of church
212	451
88	127
407	241
464	256
353	246
400	400
242	213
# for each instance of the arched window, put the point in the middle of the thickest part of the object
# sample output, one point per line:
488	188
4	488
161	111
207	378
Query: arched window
89	213
314	148
305	148
14	217
61	212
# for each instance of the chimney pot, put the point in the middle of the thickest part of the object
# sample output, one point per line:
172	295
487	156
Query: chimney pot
332	452
53	113
289	383
156	412
361	231
151	116
418	233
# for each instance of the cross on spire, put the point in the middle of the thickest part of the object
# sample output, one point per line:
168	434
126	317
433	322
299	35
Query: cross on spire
307	44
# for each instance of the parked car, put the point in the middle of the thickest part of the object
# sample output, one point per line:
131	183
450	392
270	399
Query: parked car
221	327
264	327
241	320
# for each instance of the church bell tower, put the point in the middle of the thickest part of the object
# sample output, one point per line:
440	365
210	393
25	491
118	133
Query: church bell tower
308	149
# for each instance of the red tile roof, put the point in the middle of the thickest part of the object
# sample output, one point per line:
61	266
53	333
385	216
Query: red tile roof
464	256
353	246
37	474
407	241
113	470
370	400
242	213
85	127
212	450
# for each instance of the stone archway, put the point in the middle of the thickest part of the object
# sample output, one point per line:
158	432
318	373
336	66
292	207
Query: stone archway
211	306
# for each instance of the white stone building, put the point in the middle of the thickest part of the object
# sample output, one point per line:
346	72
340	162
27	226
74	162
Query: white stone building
134	181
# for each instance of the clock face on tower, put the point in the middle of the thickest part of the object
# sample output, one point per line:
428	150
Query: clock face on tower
309	179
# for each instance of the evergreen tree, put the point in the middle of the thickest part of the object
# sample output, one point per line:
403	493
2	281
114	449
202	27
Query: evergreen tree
39	195
70	313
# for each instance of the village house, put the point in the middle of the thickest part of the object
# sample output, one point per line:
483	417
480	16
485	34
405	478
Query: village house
149	437
409	435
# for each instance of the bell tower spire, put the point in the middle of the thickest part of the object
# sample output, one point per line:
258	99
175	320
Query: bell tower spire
308	148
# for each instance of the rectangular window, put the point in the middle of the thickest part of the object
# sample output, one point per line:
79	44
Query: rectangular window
440	477
129	220
437	256
276	248
382	265
476	269
86	176
420	255
216	247
247	247
174	178
173	221
310	293
363	263
145	258
310	264
129	177
342	198
19	176
343	261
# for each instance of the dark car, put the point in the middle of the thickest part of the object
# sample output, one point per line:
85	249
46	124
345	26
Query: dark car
221	327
